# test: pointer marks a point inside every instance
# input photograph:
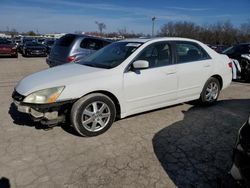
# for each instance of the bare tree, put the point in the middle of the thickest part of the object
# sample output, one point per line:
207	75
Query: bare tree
100	26
12	32
31	33
78	32
217	33
244	33
122	31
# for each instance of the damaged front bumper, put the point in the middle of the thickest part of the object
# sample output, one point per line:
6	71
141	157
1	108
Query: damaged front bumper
48	114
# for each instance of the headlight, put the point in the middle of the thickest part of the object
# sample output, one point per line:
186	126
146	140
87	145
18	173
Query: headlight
44	96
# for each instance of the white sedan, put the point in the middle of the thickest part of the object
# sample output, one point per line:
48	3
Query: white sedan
124	78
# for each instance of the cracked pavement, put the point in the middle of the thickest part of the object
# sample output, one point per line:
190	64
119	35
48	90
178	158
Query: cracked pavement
182	145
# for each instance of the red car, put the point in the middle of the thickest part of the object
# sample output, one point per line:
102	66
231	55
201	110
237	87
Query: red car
8	48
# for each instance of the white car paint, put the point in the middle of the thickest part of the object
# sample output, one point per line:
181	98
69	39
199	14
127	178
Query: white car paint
150	89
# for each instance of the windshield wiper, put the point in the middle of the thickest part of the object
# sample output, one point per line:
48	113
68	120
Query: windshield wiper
96	65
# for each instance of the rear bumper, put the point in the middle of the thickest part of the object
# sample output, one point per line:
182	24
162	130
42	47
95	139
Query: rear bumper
227	80
53	63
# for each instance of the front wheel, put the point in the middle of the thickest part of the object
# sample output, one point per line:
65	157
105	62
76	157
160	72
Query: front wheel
93	114
15	56
210	92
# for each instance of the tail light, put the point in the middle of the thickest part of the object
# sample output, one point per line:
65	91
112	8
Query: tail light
71	58
230	64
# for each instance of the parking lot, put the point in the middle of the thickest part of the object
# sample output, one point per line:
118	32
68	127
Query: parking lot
179	146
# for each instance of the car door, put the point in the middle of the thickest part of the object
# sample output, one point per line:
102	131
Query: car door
155	86
194	66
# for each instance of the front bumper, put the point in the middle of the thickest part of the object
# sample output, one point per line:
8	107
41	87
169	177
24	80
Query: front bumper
52	62
11	53
36	53
48	114
36	113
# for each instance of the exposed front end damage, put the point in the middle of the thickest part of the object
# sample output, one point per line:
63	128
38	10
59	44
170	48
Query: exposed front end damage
47	114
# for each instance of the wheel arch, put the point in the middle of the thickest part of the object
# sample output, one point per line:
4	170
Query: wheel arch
219	78
112	97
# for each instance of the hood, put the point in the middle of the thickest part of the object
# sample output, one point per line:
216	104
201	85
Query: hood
7	45
58	76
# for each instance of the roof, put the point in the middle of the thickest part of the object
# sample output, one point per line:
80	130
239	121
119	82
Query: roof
144	40
88	36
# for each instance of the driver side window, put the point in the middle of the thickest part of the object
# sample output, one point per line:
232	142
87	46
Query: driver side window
157	54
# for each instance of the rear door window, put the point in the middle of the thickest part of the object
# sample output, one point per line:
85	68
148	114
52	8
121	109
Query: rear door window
91	44
66	40
189	51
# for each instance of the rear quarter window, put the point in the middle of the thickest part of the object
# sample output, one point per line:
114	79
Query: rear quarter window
91	44
66	40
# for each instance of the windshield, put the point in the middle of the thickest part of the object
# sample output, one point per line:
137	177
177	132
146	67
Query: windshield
5	42
32	44
230	50
66	40
50	42
111	55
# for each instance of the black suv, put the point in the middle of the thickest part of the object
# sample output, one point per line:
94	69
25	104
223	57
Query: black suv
241	52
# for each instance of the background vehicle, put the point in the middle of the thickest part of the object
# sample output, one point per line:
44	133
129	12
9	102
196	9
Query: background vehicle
7	48
73	47
218	48
240	52
122	79
40	40
34	49
240	170
49	43
23	41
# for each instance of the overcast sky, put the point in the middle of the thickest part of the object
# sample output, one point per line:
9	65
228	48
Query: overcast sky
49	16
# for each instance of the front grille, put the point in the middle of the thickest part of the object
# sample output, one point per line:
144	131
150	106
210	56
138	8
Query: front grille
18	97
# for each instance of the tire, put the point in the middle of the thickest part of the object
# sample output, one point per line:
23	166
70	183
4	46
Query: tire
15	56
24	54
93	114
210	92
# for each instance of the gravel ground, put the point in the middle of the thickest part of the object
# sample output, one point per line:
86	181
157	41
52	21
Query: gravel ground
183	145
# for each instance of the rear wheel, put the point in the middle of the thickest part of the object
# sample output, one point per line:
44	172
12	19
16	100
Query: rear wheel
93	114
24	53
210	92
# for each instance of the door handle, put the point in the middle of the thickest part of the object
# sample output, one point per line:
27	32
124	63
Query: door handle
207	65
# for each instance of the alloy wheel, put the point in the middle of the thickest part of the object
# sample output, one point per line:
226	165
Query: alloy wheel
96	116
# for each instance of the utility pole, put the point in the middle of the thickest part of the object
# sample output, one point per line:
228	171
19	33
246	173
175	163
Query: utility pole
153	26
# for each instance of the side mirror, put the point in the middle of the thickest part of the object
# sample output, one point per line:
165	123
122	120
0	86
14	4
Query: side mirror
140	64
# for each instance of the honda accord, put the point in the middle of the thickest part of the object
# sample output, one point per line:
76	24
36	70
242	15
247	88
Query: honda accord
124	78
